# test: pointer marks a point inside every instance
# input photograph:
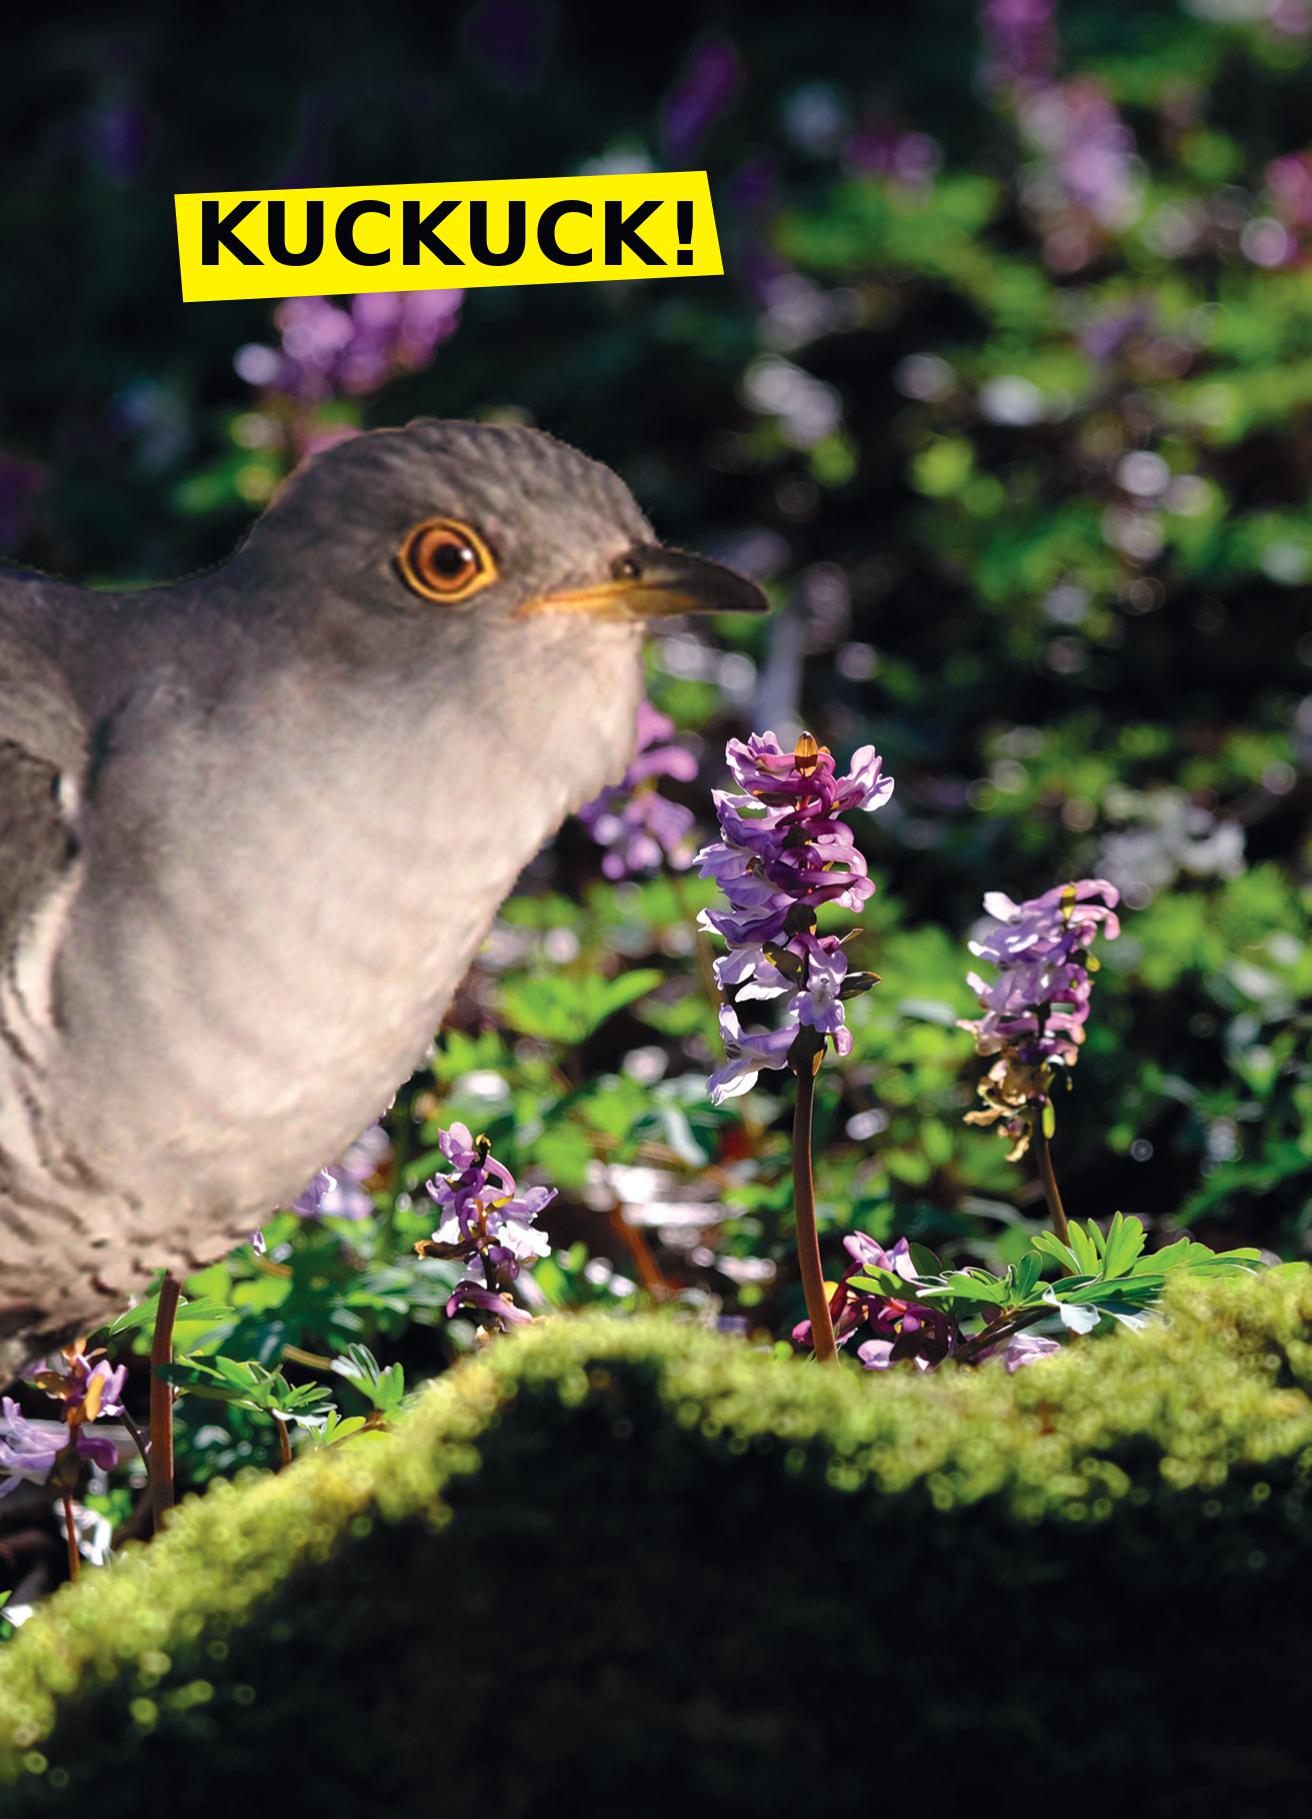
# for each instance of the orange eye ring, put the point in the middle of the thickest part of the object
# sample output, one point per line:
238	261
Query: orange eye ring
444	560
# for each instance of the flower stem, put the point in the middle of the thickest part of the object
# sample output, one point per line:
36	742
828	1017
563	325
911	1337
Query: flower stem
808	1242
137	1439
70	1529
161	1404
284	1443
1048	1181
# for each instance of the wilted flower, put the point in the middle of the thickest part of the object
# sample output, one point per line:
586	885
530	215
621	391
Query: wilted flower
1036	1009
489	1223
641	828
784	852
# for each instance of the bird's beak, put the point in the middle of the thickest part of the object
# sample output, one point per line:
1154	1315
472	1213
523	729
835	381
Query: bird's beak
650	582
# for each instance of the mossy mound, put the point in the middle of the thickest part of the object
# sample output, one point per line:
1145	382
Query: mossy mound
630	1567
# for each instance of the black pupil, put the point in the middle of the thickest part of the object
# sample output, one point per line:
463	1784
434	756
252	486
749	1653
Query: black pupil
450	560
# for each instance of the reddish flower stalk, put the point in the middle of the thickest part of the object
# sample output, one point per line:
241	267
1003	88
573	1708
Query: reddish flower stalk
808	1237
161	1404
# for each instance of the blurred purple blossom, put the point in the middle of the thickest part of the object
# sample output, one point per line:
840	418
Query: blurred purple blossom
1281	237
327	349
1083	184
784	852
701	97
1105	336
339	1192
1020	43
1027	1348
28	1449
117	136
642	829
1289	183
489	1224
881	150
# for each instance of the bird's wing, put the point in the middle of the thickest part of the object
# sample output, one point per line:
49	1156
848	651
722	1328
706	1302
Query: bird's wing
43	755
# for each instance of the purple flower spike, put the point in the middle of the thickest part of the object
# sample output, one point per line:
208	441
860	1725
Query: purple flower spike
1036	1009
641	829
489	1222
784	851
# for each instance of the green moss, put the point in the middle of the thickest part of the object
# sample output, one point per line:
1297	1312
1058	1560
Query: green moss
632	1566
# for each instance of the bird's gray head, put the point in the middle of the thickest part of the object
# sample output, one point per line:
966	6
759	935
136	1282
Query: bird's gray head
471	525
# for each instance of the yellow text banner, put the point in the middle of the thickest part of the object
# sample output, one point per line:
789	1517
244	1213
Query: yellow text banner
437	236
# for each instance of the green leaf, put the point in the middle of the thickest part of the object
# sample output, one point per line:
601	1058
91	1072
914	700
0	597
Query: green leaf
1086	1247
874	1281
1050	1245
201	1312
971	1285
1125	1240
1025	1276
923	1260
385	1389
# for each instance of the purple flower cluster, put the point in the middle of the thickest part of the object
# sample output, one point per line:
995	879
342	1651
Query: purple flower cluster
326	349
1083	185
903	1328
1039	1003
1019	41
1288	230
784	852
1036	1009
489	1223
906	159
640	828
29	1449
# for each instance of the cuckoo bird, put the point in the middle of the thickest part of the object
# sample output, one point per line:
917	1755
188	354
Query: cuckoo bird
254	826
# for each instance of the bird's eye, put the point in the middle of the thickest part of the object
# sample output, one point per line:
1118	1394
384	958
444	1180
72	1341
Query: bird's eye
443	560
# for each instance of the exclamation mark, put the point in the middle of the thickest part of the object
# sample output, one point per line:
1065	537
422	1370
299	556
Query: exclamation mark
683	216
